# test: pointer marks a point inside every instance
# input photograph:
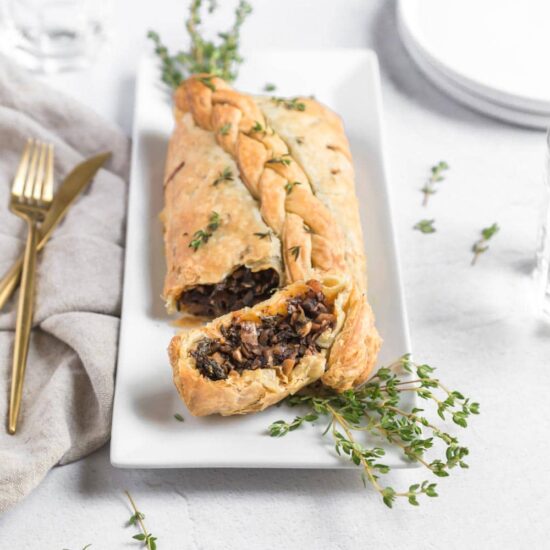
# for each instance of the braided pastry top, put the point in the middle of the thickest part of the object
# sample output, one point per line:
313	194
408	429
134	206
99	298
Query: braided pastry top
311	236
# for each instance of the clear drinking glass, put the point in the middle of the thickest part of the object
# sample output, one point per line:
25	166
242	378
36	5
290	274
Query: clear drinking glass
54	35
543	249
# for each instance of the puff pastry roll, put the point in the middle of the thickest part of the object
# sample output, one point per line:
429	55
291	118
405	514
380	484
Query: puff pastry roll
279	175
260	194
248	360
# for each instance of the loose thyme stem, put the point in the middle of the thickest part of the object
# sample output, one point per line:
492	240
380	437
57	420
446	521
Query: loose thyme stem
374	408
482	245
146	537
366	466
138	514
384	388
220	58
436	176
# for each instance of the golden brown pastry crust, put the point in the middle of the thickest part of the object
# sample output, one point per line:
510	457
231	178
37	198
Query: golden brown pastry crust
194	162
271	173
353	354
317	141
296	178
253	390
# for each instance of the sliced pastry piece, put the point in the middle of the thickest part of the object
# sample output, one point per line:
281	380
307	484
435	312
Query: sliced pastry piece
250	359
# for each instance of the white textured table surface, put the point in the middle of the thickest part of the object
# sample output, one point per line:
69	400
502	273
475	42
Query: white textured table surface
476	324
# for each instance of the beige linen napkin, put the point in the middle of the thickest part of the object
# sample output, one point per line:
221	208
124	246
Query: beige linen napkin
67	398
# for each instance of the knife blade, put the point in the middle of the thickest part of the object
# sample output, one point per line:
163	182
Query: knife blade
75	182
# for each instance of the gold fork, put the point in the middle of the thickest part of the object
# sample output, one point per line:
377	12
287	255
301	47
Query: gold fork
31	196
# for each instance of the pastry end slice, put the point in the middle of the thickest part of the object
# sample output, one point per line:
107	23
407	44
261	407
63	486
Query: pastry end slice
250	359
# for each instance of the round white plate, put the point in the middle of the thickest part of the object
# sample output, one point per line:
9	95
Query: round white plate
465	96
497	49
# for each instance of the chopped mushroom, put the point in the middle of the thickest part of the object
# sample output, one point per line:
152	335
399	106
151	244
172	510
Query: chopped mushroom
278	340
241	288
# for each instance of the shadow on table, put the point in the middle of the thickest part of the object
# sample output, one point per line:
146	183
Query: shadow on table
194	482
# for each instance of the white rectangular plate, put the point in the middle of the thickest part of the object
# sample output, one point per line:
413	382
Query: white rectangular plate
145	432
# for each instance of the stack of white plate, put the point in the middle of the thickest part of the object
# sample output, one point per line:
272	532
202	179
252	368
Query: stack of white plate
491	55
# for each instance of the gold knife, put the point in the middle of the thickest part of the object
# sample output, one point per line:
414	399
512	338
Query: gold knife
72	186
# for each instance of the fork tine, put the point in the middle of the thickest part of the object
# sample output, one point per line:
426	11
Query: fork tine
31	174
39	180
47	191
19	180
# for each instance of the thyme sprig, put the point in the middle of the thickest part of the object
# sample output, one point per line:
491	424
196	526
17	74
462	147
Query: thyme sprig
375	408
436	176
284	160
481	245
225	175
149	541
292	104
425	226
204	56
202	236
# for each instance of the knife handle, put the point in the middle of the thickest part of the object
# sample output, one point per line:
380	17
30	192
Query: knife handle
10	281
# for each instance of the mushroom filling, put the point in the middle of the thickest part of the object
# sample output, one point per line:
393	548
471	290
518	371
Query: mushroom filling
277	340
241	288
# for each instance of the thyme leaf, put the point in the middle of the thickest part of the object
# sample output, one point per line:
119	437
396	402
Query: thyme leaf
269	87
436	176
295	251
266	235
375	408
290	186
213	222
481	245
425	226
225	129
225	175
179	417
170	70
257	128
207	81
